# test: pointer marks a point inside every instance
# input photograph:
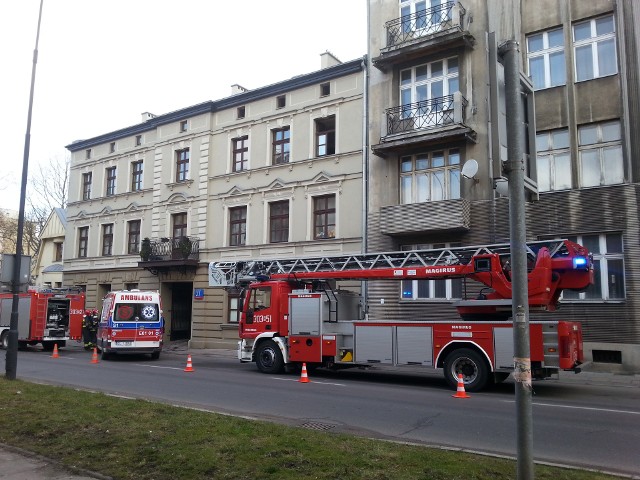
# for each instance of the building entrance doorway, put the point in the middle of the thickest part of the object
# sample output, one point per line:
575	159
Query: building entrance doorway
181	294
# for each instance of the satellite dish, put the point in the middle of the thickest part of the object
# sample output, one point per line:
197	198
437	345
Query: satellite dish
470	168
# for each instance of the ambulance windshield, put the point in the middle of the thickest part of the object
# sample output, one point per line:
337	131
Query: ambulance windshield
136	312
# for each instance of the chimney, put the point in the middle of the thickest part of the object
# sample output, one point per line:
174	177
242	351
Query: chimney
236	89
147	116
328	59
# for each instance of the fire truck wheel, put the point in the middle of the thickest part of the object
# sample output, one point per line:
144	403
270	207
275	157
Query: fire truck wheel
269	357
471	365
4	340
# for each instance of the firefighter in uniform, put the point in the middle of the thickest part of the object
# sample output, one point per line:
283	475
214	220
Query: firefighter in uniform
93	328
86	329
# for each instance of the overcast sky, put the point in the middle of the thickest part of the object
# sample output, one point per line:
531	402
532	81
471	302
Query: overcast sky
101	63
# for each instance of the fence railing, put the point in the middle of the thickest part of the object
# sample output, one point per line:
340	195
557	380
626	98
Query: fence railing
426	114
425	22
171	248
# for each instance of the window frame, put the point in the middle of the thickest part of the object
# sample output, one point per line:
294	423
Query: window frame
240	154
325	127
58	251
138	140
83	242
184	126
110	176
432	174
552	156
241	112
107	239
133	236
593	42
279	221
602	270
280	146
238	226
87	179
546	53
324	217
325	89
601	146
137	171
450	285
182	165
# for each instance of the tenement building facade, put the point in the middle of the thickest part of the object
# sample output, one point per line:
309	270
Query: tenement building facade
434	104
275	171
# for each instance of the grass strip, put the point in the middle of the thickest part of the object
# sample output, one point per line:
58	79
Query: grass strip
138	439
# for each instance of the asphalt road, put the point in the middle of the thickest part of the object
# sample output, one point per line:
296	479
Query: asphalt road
590	426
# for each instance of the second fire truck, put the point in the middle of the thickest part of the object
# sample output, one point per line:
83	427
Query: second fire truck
293	313
48	316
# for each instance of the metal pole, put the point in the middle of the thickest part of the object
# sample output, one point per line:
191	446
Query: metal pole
11	363
517	227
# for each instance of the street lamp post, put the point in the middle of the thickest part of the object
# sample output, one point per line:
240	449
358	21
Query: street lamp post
11	363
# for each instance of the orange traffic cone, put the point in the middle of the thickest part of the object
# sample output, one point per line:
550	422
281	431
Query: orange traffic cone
303	376
94	357
55	351
460	393
189	365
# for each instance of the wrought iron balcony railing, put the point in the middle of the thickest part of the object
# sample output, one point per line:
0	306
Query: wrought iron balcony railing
424	23
427	114
175	248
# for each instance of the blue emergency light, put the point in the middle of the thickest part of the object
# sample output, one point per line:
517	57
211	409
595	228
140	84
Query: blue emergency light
579	262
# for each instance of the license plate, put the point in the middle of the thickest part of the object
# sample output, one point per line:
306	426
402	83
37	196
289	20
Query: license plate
124	344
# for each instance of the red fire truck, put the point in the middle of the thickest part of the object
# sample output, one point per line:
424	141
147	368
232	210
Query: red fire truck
46	316
293	313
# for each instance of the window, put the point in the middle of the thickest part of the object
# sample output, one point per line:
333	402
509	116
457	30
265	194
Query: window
86	186
182	165
279	221
240	113
237	226
426	92
133	236
240	154
325	89
179	221
83	241
111	181
608	265
112	147
235	308
419	20
136	176
595	48
430	177
545	53
324	217
325	136
138	140
553	160
280	145
184	125
600	153
88	152
281	101
260	298
431	289
107	240
58	252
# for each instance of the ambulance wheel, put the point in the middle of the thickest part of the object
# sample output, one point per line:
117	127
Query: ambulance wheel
269	358
155	355
104	355
474	369
4	340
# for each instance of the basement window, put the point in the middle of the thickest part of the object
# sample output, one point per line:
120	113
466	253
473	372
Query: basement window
607	356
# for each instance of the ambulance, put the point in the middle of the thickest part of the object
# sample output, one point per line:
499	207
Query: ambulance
131	322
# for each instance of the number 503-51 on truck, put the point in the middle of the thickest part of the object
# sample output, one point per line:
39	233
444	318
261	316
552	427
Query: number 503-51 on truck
293	314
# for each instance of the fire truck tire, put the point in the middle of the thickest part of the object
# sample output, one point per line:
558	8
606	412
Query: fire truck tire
269	358
474	369
4	340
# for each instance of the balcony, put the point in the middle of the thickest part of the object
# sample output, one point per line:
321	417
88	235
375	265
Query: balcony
428	31
426	217
165	254
424	123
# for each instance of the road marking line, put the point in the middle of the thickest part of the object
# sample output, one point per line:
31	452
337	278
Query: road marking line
611	410
313	381
157	366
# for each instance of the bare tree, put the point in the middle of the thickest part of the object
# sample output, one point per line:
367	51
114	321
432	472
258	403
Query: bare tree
47	189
